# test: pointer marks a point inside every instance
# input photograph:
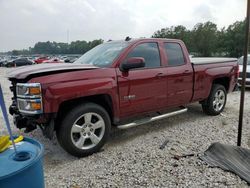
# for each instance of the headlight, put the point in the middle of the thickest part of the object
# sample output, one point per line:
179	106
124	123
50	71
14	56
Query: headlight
29	98
28	90
30	106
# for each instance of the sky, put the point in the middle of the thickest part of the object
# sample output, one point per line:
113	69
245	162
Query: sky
25	22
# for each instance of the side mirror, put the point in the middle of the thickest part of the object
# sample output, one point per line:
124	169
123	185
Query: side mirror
67	61
132	63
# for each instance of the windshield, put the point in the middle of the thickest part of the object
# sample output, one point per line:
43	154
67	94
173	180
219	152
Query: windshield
240	61
102	55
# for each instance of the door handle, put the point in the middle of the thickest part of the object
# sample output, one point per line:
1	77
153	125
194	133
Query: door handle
160	75
185	72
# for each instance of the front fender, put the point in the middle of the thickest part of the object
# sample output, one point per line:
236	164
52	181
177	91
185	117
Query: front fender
55	94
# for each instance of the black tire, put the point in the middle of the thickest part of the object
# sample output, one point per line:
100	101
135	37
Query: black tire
68	140
208	105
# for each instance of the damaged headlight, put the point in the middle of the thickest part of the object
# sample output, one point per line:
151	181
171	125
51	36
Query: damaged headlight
29	98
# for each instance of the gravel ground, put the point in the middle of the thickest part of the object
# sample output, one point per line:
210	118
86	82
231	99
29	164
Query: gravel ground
132	157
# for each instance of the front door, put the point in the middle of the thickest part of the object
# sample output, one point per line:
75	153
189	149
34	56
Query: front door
143	90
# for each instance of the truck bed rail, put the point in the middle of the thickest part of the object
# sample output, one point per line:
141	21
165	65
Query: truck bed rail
210	60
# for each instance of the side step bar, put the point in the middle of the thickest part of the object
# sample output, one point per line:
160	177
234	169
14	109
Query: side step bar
151	119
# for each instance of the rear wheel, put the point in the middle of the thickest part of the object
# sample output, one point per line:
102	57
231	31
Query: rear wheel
216	101
84	130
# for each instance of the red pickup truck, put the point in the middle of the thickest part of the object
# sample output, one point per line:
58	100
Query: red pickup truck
119	83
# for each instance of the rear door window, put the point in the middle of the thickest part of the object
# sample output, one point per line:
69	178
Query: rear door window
174	54
149	51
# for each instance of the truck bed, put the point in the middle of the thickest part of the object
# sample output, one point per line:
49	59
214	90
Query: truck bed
210	60
206	69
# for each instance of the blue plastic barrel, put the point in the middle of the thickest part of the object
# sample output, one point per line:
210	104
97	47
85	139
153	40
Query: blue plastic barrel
24	169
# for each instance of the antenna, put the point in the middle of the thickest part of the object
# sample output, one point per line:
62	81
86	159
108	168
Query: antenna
127	38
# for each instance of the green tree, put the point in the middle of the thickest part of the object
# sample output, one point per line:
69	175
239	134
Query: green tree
15	52
204	38
75	47
233	39
220	46
94	43
78	47
175	32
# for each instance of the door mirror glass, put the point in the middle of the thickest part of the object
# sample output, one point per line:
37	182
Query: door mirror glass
132	63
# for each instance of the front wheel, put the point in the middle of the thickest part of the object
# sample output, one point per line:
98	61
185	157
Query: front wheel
216	101
84	130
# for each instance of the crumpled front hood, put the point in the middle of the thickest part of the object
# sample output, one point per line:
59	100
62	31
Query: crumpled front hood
25	71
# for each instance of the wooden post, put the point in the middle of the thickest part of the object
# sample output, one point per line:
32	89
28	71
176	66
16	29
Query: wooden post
243	85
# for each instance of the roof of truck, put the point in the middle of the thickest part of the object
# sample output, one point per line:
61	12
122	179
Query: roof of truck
132	40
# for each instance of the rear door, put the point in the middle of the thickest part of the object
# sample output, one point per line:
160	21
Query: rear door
143	90
179	75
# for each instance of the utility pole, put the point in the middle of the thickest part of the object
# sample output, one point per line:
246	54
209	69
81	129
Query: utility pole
243	85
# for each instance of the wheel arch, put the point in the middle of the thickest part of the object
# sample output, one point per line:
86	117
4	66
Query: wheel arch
103	100
224	81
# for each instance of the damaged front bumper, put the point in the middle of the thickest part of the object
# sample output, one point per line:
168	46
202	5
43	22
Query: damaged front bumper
27	107
30	122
